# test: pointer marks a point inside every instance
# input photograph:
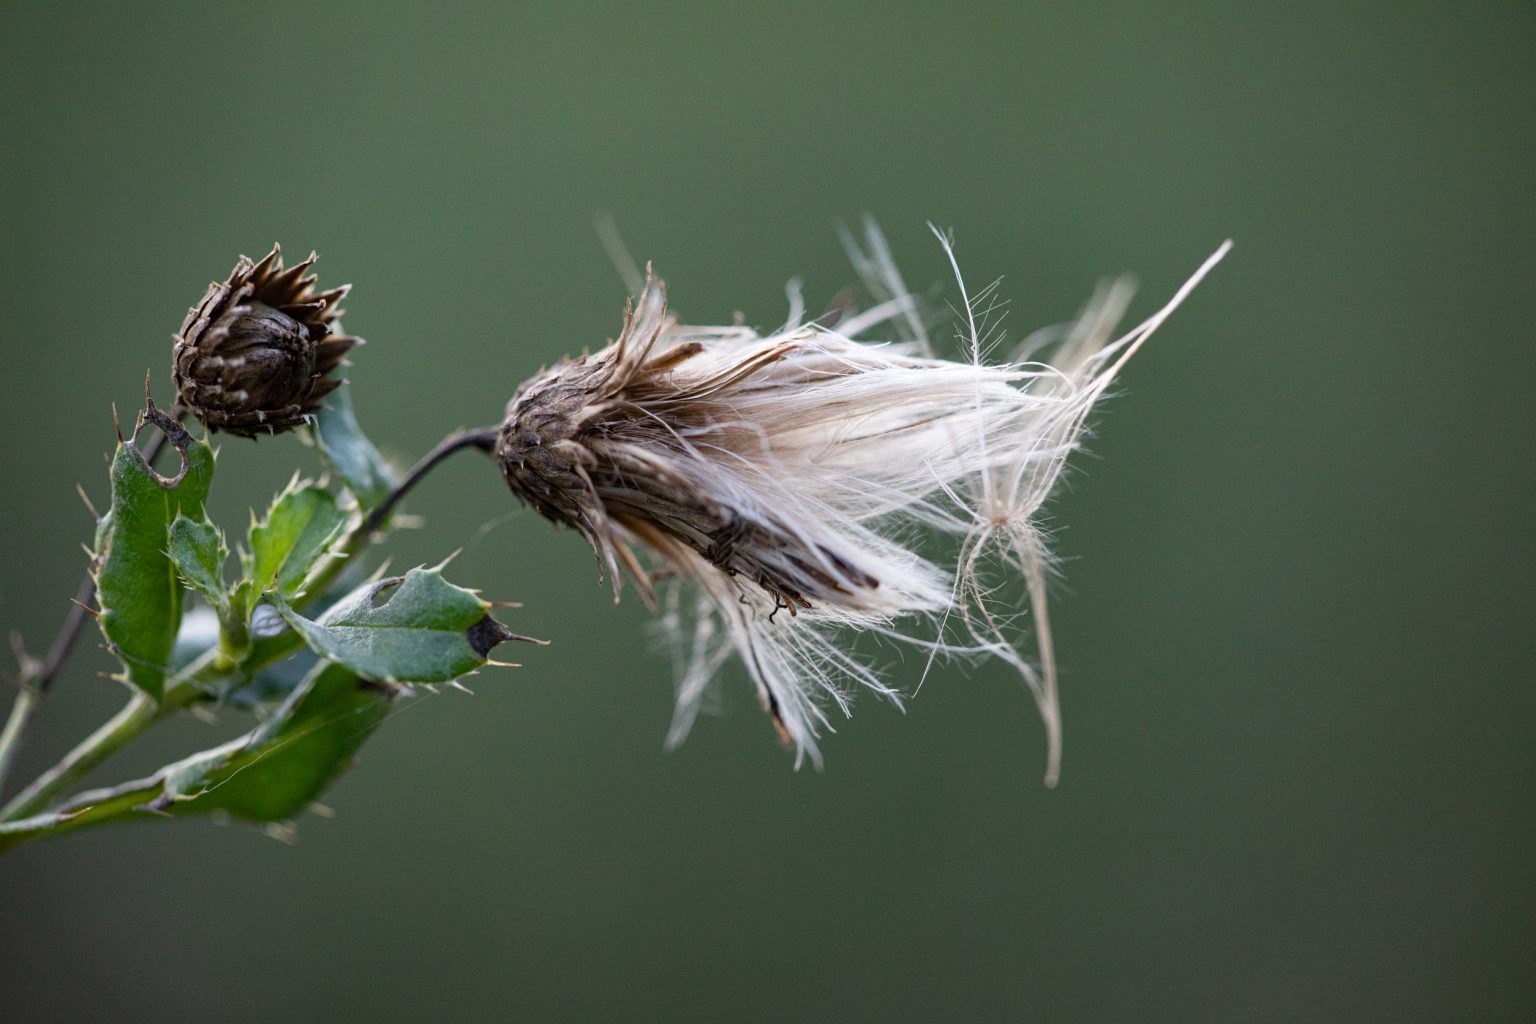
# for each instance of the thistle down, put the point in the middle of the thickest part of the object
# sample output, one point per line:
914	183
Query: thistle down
783	485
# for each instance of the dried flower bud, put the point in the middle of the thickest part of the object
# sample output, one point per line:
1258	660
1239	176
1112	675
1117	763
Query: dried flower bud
254	356
786	473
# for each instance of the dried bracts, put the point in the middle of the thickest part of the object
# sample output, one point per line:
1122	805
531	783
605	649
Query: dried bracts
256	355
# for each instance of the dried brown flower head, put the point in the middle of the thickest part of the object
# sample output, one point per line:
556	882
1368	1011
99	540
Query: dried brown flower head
787	481
255	355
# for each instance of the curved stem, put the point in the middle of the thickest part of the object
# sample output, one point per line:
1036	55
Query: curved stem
483	438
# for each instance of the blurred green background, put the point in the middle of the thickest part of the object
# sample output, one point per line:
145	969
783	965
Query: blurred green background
1297	624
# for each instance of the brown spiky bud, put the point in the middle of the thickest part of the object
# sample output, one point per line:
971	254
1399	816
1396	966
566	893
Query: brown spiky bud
255	355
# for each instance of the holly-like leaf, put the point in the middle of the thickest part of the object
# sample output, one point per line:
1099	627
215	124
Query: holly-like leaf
348	451
301	525
412	628
136	581
283	765
269	774
198	552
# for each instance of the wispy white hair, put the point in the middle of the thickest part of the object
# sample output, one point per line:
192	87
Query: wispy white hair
786	484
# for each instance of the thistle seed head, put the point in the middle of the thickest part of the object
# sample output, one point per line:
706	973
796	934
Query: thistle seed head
602	444
800	471
255	355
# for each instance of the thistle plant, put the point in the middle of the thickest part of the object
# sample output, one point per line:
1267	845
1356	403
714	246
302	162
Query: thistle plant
296	632
771	496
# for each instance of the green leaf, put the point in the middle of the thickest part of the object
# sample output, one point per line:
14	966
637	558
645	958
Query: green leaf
284	764
412	628
348	451
269	774
136	584
136	581
301	525
198	552
38	824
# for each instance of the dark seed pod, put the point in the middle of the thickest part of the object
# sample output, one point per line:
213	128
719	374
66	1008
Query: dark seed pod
539	447
255	355
606	444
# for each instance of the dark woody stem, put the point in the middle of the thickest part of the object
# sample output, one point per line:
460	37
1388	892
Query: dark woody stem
483	438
